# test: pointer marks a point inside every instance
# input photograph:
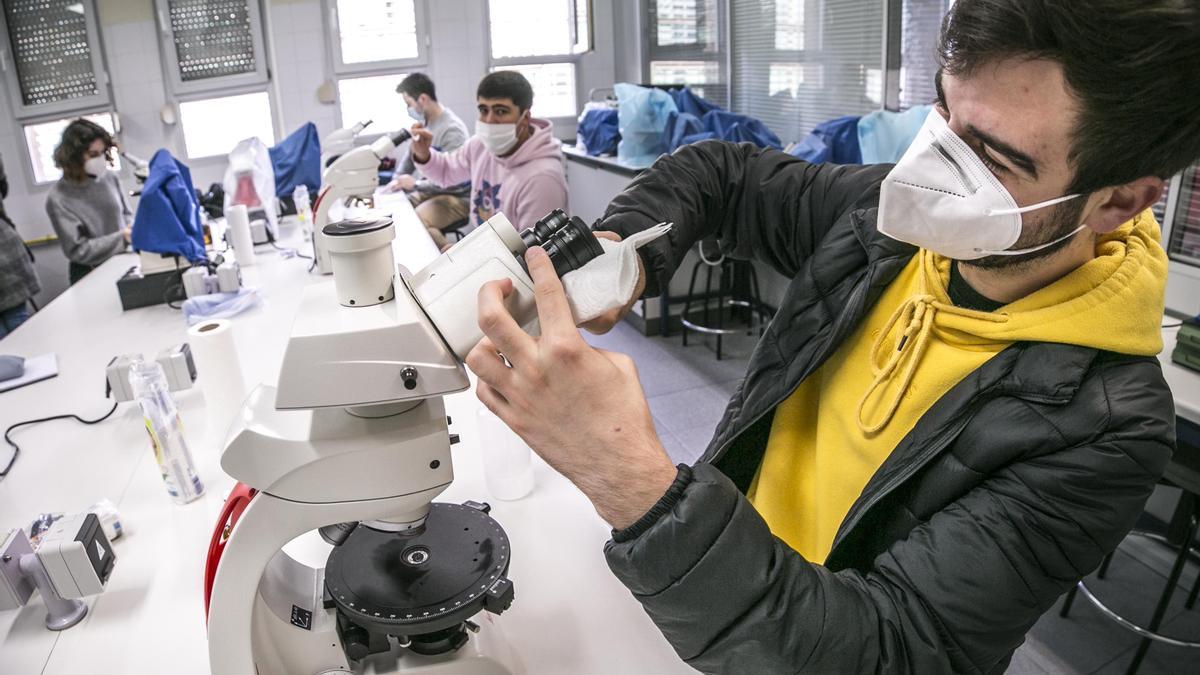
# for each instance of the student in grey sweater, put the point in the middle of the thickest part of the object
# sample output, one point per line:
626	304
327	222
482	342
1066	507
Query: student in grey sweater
86	206
437	207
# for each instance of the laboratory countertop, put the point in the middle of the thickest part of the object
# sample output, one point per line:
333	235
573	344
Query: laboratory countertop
1184	382
570	614
574	154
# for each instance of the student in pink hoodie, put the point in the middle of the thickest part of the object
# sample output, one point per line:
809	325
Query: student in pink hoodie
513	161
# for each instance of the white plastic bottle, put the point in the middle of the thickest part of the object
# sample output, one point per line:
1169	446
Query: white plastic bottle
149	386
507	460
303	209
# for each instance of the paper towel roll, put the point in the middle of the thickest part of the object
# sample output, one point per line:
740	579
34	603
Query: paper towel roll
238	220
219	375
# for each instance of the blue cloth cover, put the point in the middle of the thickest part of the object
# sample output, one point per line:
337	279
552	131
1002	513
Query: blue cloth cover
297	160
687	101
834	141
168	214
697	119
599	131
684	128
884	136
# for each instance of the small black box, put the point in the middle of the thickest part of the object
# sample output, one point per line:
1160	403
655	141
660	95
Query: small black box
138	290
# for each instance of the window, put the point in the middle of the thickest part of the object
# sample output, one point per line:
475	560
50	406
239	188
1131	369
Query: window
797	63
913	29
43	137
206	123
541	39
553	86
211	45
1183	240
686	46
373	98
53	48
376	34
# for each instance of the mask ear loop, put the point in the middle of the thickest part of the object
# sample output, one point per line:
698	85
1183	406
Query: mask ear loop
1048	244
1031	207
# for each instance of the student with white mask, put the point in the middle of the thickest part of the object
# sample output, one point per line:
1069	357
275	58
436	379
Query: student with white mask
957	410
513	162
87	206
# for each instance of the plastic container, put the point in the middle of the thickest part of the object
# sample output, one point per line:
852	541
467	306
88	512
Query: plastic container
149	386
507	461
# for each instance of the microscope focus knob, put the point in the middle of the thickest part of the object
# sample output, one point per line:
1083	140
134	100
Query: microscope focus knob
356	642
409	375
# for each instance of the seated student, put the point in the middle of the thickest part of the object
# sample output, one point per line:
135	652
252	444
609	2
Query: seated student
437	207
18	280
513	161
86	206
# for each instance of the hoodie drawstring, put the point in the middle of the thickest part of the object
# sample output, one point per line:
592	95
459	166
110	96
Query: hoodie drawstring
917	314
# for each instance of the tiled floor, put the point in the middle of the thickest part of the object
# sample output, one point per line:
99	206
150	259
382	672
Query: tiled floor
687	389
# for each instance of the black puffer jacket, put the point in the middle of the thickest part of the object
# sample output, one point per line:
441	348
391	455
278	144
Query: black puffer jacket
1009	489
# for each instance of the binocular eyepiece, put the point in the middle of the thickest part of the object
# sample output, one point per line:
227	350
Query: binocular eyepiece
566	239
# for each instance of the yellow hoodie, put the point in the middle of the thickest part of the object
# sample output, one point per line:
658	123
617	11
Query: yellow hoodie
828	438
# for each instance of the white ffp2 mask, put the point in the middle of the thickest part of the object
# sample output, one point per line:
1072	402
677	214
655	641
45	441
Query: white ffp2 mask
95	166
497	138
941	197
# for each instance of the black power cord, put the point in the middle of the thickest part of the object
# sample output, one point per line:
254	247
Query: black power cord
17	449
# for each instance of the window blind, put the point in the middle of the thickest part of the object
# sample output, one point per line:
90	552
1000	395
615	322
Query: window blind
921	23
686	46
213	38
797	63
51	50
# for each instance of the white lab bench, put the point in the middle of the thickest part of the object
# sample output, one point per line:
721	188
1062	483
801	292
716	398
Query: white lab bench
570	614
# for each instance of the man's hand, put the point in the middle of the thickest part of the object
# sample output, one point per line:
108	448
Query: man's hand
581	409
403	182
604	323
127	233
422	140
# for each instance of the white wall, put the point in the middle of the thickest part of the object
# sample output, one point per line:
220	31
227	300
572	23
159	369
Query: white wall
300	62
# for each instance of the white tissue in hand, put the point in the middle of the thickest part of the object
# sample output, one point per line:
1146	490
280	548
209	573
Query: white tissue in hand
607	281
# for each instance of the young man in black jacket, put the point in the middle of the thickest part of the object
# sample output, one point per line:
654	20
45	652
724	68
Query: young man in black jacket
957	411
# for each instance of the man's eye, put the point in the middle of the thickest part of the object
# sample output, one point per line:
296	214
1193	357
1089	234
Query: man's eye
991	164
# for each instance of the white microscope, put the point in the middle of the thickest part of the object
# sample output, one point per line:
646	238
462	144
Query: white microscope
354	174
353	443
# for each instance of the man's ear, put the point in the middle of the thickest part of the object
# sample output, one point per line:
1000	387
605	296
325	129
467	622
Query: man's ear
1120	204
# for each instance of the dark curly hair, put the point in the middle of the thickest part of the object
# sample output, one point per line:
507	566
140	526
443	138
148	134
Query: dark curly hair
76	139
1133	65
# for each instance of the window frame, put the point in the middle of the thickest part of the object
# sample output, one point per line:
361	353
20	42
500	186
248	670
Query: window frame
342	70
573	58
213	87
21	140
26	114
723	55
222	93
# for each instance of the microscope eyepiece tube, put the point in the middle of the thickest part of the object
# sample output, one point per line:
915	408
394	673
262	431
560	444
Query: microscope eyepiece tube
567	240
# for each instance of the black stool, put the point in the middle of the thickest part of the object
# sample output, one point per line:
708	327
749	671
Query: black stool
1181	532
737	288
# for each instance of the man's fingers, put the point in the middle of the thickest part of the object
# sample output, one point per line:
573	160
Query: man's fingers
498	324
493	400
605	234
488	365
554	314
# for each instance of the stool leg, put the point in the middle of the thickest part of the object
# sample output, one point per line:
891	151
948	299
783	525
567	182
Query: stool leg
687	304
1165	600
722	288
1191	600
1070	599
